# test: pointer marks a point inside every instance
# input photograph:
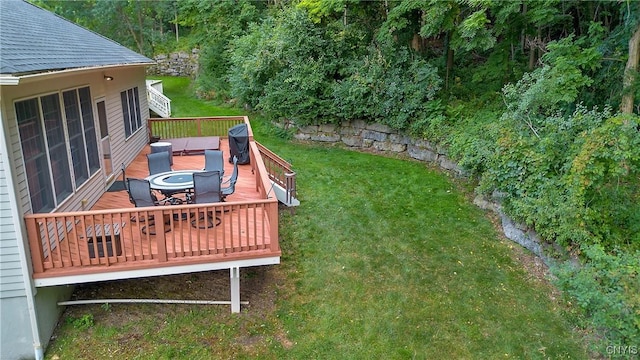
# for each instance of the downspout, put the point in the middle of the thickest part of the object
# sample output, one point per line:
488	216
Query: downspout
29	288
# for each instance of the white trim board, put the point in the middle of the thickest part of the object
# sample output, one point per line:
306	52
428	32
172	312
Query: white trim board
159	271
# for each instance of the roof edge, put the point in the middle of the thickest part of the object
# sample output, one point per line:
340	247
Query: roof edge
50	73
9	80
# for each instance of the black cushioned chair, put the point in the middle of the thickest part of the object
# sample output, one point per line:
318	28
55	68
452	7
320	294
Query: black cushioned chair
158	163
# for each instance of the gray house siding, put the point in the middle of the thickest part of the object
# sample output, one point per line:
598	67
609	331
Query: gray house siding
11	282
125	150
16	326
14	310
122	150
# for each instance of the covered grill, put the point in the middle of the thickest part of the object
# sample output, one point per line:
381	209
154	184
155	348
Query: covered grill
239	143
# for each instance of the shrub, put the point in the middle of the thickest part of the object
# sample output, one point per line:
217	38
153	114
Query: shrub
388	87
607	289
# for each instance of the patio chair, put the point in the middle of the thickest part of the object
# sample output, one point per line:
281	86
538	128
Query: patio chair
159	162
141	196
206	190
214	161
230	183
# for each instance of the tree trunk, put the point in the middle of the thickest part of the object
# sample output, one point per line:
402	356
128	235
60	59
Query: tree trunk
448	53
177	36
626	106
449	64
131	30
523	33
140	28
344	16
416	42
532	55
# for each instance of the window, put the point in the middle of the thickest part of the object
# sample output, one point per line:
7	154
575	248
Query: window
82	133
89	126
58	157
59	148
35	155
131	111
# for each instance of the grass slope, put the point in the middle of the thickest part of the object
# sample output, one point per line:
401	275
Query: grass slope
384	259
392	261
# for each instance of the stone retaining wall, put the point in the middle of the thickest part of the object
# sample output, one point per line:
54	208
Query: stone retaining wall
176	64
360	135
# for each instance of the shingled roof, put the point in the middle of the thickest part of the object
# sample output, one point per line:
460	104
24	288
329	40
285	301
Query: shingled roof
33	40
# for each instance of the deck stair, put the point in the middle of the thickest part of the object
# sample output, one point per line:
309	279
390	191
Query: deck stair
283	178
284	195
158	102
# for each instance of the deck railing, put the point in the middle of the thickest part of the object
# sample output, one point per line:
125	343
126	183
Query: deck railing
96	241
197	126
151	236
280	171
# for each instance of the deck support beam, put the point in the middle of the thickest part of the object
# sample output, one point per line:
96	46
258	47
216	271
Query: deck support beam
234	274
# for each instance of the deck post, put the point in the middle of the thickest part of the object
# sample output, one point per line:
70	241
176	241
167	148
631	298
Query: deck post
161	240
234	273
37	255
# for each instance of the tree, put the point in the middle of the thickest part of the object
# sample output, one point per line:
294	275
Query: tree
626	106
136	24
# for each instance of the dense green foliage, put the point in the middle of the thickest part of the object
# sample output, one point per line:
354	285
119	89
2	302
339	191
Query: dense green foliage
300	62
524	94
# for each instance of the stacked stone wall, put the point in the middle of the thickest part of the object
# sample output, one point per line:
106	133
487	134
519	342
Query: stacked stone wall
176	64
358	134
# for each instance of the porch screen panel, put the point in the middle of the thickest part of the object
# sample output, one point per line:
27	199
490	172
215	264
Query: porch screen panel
34	155
76	137
89	125
58	156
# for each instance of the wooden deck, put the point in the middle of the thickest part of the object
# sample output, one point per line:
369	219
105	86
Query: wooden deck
245	187
245	231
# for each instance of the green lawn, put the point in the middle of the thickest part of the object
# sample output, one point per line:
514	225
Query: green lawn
384	259
184	102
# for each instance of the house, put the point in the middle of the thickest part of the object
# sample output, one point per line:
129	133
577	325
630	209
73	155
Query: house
74	114
48	64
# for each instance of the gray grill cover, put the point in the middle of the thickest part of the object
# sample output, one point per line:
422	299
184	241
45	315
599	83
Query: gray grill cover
239	143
